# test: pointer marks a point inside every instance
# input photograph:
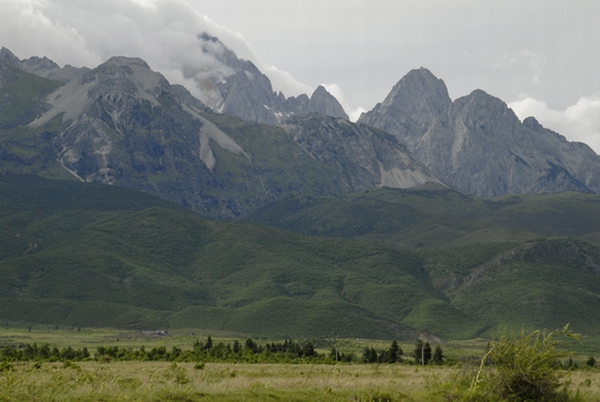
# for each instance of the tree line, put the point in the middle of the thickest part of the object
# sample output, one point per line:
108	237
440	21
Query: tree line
248	351
423	355
209	351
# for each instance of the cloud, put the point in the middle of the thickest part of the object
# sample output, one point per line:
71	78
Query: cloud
284	81
579	122
352	112
525	62
162	32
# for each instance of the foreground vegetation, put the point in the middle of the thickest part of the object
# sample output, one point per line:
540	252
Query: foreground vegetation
163	381
154	381
515	367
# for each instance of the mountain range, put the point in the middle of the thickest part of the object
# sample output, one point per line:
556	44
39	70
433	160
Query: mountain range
478	145
239	88
372	229
121	123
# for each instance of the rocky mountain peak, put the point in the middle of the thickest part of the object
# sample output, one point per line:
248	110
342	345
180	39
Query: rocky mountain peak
480	111
236	86
34	65
532	124
211	45
322	101
419	90
127	75
478	144
414	101
362	153
41	66
8	57
479	99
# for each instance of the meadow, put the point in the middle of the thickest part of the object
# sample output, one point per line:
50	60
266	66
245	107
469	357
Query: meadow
163	381
109	380
146	381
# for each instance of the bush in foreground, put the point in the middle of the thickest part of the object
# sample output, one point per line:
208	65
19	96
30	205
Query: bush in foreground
518	368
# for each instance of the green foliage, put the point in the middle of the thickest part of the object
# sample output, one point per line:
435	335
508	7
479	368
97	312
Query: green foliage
82	254
35	352
391	355
283	352
252	352
433	216
21	98
438	356
422	352
526	367
77	255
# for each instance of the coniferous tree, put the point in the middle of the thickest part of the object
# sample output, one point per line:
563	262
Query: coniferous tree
373	357
438	355
366	354
422	352
334	354
427	353
418	352
370	355
236	346
393	352
591	361
309	349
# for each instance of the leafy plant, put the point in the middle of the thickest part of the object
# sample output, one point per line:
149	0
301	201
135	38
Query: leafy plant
526	367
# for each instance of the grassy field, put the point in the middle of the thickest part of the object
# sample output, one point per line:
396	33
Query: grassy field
167	381
91	338
182	382
154	381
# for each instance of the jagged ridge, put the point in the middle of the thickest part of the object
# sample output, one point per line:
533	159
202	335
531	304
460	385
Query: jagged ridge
122	123
478	144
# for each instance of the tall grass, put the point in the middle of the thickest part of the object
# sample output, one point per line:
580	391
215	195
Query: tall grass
151	381
157	381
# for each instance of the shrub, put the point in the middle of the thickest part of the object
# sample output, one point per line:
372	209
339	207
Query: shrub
526	367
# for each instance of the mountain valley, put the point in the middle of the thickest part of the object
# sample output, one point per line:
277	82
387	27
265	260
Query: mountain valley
127	202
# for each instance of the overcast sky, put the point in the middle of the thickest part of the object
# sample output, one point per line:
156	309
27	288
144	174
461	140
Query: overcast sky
540	56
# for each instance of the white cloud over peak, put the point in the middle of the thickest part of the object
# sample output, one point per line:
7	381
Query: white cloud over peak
578	122
162	32
352	112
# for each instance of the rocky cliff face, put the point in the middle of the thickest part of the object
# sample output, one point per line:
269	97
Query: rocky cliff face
41	66
122	123
242	90
478	144
364	156
413	103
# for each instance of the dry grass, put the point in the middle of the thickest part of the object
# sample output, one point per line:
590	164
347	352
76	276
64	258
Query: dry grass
145	381
588	384
161	381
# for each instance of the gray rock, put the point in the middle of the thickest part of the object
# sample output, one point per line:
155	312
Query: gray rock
364	156
122	123
248	93
42	67
410	107
478	144
323	102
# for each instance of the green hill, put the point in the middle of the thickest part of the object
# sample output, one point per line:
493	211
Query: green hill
435	216
81	254
91	255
